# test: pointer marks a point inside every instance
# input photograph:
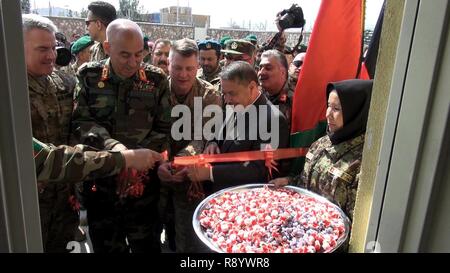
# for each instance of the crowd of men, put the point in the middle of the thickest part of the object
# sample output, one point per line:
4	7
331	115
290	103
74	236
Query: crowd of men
118	94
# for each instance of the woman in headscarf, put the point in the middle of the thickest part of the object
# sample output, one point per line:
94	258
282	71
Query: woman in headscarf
333	162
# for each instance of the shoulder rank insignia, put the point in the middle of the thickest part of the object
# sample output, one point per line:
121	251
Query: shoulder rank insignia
143	76
105	73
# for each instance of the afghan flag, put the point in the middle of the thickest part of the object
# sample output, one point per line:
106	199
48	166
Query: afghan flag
334	54
370	60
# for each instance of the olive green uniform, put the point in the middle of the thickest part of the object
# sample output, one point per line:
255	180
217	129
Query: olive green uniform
136	113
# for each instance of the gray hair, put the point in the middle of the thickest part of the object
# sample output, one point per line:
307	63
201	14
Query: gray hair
34	21
279	56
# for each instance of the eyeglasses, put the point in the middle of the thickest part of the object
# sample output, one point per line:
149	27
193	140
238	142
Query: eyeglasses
297	63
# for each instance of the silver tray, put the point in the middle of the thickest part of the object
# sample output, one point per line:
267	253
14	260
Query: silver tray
199	230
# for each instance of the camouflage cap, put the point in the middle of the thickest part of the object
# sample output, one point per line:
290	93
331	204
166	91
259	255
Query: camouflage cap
239	47
209	44
81	44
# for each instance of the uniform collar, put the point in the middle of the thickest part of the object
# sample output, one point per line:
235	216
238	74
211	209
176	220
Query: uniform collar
114	77
282	97
338	150
213	74
38	84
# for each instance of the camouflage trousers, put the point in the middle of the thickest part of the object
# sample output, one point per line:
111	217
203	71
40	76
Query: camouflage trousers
186	240
59	220
113	221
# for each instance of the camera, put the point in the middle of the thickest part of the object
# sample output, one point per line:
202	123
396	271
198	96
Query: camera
63	54
291	18
288	18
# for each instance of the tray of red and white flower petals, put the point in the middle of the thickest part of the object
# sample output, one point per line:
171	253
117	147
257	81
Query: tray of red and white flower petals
259	218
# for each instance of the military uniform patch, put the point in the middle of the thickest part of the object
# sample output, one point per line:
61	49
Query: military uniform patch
341	174
140	86
234	45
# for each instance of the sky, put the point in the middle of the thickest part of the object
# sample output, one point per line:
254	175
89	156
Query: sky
242	12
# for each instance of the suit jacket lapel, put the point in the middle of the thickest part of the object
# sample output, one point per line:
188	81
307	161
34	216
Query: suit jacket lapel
227	143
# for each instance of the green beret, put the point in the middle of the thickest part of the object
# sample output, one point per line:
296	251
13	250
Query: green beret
251	37
81	44
239	47
223	40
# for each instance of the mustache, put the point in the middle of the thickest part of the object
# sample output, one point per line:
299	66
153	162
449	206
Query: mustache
162	62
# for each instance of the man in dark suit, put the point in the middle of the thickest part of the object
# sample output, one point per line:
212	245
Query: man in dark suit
253	124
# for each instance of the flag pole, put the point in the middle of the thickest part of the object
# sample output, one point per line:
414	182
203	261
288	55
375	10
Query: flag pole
363	24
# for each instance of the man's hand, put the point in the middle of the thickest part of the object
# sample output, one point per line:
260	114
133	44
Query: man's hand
280	182
199	173
277	21
140	159
165	173
212	148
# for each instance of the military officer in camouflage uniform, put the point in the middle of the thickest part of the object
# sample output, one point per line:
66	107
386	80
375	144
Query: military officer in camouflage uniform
222	42
209	56
100	14
160	54
81	50
122	103
72	164
239	50
51	109
333	162
184	87
294	69
273	77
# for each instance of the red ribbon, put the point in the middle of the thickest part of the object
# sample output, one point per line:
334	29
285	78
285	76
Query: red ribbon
269	156
74	204
130	182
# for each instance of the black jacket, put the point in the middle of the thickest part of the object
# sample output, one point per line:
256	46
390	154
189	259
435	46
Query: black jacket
238	173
